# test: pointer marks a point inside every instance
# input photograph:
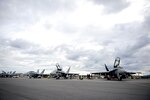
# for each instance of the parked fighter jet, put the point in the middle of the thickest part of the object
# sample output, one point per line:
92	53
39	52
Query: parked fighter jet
33	74
117	72
58	73
7	74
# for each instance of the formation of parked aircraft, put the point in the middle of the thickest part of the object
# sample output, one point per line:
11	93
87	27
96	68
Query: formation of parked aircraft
8	74
117	72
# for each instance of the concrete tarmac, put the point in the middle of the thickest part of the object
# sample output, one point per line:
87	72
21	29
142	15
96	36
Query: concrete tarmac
51	89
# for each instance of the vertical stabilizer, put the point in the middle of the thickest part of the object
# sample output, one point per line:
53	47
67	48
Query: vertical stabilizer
68	70
43	71
38	71
3	72
14	72
106	67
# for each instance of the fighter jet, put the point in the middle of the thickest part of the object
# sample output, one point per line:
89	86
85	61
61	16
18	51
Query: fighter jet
59	73
33	74
117	72
7	74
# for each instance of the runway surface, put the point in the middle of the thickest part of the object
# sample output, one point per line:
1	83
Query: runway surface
51	89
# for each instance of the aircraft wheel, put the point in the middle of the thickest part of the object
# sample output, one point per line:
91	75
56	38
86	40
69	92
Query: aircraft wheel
108	78
120	79
57	77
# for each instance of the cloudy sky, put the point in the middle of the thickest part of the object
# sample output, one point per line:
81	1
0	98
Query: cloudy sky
83	34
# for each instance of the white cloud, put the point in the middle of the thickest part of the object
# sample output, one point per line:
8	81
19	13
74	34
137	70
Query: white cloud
84	34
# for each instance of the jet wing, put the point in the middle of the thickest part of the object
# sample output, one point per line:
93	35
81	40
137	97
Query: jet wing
112	71
72	74
105	73
130	72
101	73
